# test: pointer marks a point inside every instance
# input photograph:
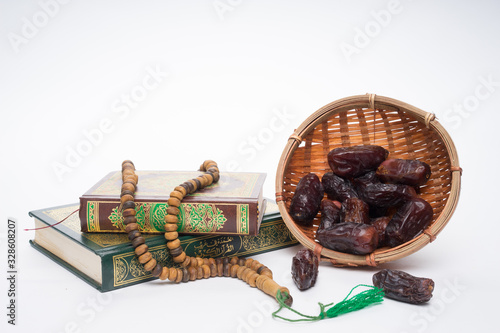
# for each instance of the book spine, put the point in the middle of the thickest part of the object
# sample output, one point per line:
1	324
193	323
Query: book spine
123	269
196	217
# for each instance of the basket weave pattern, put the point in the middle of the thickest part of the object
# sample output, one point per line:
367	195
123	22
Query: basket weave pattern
405	131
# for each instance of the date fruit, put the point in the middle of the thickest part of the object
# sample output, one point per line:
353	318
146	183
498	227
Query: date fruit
400	171
356	160
386	195
305	269
408	221
330	213
338	188
355	210
349	237
380	223
404	287
306	199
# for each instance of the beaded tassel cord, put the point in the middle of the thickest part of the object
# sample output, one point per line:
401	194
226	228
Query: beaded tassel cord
190	268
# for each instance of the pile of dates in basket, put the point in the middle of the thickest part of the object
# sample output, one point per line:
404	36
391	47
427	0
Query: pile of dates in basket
371	200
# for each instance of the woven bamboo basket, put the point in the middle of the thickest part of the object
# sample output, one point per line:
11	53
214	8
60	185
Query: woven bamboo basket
404	130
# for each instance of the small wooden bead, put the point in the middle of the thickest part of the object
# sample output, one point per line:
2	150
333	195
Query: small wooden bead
129	219
267	272
197	183
205	261
208	163
131	226
175	252
186	261
172	274
203	181
174	243
170	227
200	273
187	186
200	261
255	264
124	192
133	234
180	275
128	204
128	187
240	271
234	260
171	210
157	270
227	270
216	176
194	183
181	189
176	194
138	241
260	269
171	235
193	263
180	258
213	267
206	271
129	178
174	202
242	261
164	273
126	197
171	219
245	273
185	274
220	266
150	265
234	269
193	272
127	162
248	262
131	182
145	257
141	249
209	179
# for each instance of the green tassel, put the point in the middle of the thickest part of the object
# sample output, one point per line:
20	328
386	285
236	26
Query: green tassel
359	301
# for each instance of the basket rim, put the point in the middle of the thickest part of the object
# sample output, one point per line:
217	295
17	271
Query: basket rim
382	255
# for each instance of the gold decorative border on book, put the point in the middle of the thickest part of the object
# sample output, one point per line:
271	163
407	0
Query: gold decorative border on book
93	216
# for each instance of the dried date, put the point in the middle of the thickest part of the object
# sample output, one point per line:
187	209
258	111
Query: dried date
356	160
338	188
404	287
349	237
400	171
354	210
408	221
305	269
380	223
386	195
330	213
306	199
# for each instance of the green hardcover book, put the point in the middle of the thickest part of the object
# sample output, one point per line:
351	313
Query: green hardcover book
107	260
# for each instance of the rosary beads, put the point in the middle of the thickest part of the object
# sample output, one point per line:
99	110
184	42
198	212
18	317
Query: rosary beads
189	268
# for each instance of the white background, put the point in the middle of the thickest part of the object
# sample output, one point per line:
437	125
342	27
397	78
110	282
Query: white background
233	80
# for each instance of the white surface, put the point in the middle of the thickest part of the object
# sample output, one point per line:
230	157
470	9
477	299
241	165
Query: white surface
240	79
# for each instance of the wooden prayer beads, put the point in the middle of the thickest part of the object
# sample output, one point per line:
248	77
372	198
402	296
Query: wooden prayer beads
189	268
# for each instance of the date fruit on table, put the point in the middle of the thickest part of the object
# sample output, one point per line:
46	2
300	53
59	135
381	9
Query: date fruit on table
404	287
305	269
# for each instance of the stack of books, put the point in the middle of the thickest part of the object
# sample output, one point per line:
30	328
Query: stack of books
230	218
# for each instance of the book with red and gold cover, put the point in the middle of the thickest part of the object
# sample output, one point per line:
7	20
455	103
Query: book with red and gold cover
232	206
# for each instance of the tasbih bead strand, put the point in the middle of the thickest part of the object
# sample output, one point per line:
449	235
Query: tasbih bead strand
251	271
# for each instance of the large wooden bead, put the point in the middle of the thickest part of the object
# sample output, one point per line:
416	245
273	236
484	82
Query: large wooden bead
194	262
234	260
126	197
248	262
175	252
133	234
180	275
131	226
234	269
128	187
203	181
172	274
170	227
185	274
181	189
171	219
240	271
186	261
164	273
252	280
209	179
141	249
128	204
206	271
145	257
171	235
150	265
129	219
200	261
199	273
157	270
174	243
194	183
180	258
174	202
171	210
193	272
176	194
138	241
